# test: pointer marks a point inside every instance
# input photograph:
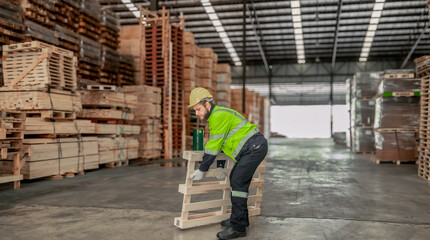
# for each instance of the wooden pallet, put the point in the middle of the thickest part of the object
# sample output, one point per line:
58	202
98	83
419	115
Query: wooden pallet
36	64
188	219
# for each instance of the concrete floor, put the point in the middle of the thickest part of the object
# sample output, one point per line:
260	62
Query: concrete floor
313	190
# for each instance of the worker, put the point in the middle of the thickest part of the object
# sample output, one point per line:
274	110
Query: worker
233	134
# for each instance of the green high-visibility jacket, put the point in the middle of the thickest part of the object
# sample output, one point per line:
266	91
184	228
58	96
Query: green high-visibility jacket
229	131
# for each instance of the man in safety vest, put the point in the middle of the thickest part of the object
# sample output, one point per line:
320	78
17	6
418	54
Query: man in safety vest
231	133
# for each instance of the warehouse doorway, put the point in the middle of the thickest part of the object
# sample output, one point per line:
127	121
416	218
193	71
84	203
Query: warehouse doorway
308	121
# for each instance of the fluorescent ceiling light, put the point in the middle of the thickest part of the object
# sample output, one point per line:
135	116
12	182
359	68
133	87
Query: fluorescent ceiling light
129	5
362	59
372	27
136	13
133	9
376	14
210	11
378	6
126	1
298	30
295	11
295	4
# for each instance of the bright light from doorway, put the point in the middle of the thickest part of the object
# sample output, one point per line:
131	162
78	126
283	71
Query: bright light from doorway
308	121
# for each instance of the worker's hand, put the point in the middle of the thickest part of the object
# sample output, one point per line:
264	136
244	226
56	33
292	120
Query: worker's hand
197	175
221	176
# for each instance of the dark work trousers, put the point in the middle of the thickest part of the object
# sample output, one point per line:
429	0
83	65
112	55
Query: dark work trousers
252	154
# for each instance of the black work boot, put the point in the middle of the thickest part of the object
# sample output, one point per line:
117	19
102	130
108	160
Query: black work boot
226	223
230	233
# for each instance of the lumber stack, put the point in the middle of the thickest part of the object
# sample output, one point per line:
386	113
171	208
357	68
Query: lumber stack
39	65
423	71
363	89
41	12
148	117
11	23
214	208
223	90
89	59
126	70
111	111
107	106
67	24
130	38
53	137
90	19
252	106
11	137
67	14
109	32
37	32
109	65
397	113
204	68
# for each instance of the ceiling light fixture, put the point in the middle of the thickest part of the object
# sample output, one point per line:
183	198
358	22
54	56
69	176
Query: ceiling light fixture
298	31
210	11
371	30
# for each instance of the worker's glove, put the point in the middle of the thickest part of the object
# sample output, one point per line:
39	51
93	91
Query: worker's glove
197	175
221	176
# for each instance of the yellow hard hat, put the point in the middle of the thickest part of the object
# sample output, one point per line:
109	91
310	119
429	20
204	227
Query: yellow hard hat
197	95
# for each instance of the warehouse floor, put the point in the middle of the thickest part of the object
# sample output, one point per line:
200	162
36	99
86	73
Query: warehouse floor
314	190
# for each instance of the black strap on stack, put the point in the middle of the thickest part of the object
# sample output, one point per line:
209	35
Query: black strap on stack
59	149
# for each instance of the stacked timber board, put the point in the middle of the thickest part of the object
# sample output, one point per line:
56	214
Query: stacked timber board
11	23
11	136
223	91
109	34
130	38
147	115
196	212
89	59
50	105
40	12
364	87
163	54
89	19
252	106
423	71
112	112
67	14
397	112
126	70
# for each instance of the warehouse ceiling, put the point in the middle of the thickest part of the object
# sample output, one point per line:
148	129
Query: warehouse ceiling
271	24
281	33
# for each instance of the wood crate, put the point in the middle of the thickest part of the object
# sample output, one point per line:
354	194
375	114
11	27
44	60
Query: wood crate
199	213
40	65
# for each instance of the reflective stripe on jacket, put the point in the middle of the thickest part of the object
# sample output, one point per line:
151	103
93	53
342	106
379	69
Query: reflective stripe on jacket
229	131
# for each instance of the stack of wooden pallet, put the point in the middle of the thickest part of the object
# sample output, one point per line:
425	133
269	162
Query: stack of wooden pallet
148	117
109	39
223	90
67	23
204	63
163	54
423	71
11	24
397	112
111	111
363	86
67	14
40	12
109	35
126	70
39	20
89	59
130	38
90	19
109	65
43	87
252	106
11	136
